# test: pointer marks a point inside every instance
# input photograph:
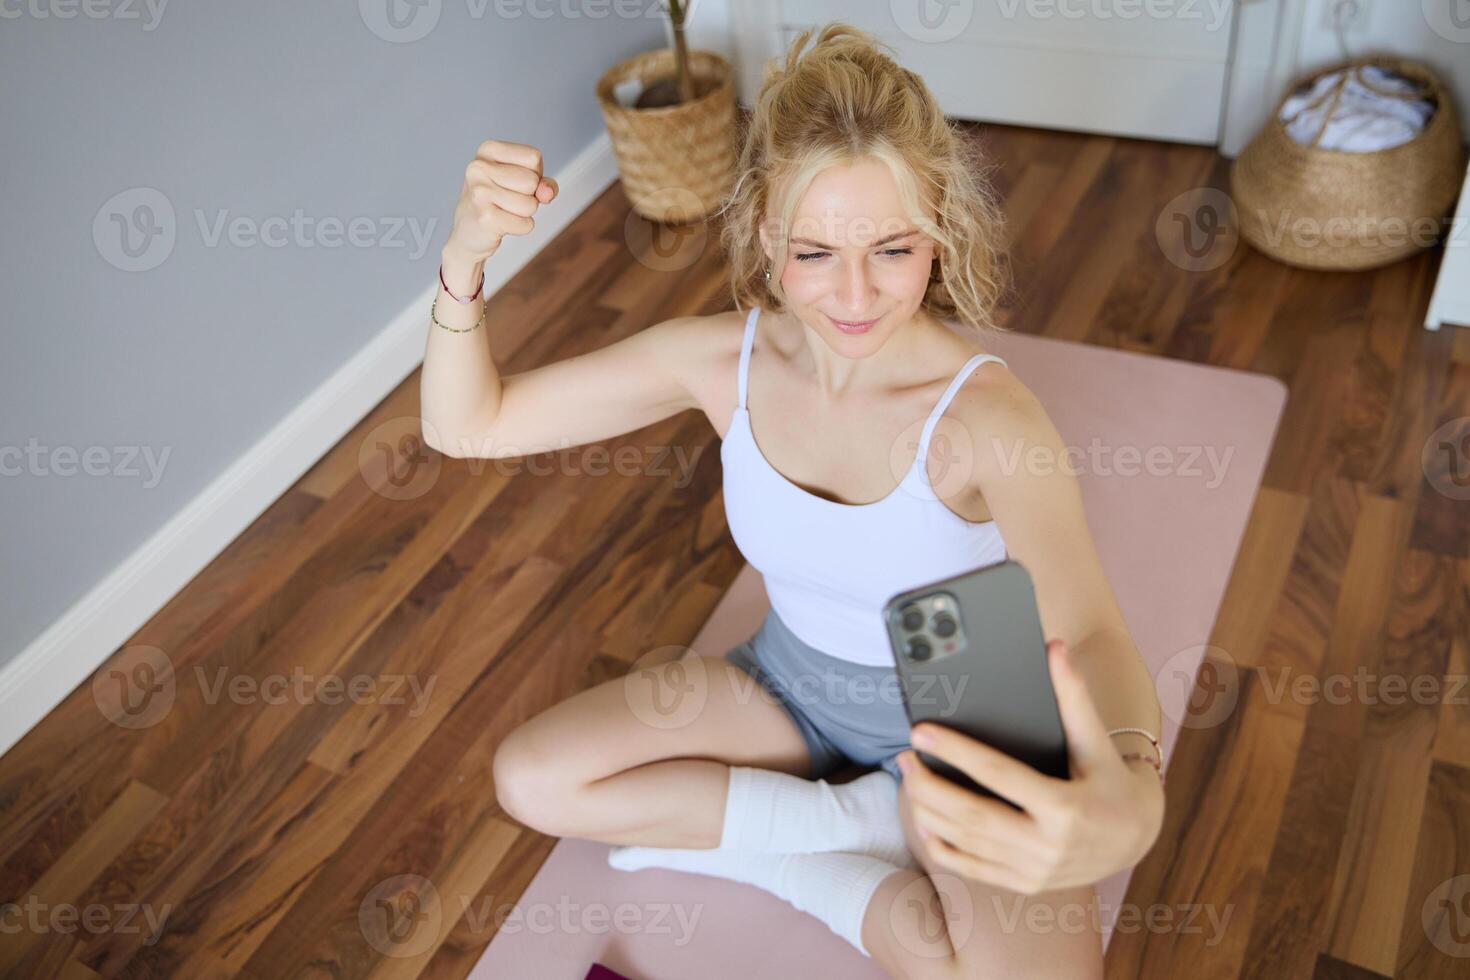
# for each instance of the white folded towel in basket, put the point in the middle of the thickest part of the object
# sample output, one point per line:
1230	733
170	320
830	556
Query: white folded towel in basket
1357	110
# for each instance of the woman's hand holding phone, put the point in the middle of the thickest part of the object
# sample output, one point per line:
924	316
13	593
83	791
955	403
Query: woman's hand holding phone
1069	832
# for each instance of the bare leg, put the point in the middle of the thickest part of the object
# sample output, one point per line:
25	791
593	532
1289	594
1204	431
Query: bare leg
645	759
937	926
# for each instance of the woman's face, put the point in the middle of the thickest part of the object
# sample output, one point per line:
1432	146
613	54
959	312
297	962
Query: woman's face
857	268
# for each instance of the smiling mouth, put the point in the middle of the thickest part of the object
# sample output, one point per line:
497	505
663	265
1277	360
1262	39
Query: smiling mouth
854	324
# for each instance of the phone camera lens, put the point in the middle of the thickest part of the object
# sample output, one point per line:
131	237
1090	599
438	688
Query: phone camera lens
912	619
944	625
918	650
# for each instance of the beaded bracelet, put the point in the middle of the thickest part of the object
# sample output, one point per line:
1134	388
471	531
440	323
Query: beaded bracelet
434	309
1153	761
1146	734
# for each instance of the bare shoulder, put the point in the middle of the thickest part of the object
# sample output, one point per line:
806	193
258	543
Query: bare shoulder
713	334
693	340
704	352
1001	413
704	344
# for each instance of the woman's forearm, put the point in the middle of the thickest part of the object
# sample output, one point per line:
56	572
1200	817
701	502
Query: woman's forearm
1124	693
459	386
1120	685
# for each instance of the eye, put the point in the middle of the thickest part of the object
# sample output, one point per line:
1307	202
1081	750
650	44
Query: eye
891	252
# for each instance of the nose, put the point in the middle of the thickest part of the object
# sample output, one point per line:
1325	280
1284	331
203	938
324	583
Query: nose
855	292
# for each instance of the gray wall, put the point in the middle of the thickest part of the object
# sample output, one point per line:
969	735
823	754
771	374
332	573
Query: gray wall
254	110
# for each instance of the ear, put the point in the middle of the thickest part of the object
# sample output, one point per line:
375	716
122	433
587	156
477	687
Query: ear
765	241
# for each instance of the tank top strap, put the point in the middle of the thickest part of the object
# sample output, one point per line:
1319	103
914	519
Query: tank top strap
745	345
944	400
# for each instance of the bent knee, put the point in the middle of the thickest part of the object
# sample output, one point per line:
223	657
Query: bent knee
530	785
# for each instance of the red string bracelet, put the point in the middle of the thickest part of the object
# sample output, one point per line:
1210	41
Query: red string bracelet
472	297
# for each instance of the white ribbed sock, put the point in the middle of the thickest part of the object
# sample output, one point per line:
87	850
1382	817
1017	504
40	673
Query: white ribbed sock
835	888
769	812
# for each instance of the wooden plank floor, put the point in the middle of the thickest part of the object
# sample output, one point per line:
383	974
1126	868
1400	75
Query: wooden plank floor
256	822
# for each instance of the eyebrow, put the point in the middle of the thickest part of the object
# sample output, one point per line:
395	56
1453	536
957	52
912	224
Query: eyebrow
883	241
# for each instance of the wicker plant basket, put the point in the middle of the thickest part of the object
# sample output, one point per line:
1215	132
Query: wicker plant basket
677	162
1334	209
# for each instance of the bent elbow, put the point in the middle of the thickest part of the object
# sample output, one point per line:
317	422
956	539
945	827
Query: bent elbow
431	436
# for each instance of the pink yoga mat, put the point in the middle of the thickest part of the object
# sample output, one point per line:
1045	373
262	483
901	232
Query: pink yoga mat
1167	527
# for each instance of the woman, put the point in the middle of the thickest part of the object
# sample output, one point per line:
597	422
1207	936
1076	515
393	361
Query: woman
858	220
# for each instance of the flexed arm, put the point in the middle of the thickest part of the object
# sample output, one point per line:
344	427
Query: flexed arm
468	407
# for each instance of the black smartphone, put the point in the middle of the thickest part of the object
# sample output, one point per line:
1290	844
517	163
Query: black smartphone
971	656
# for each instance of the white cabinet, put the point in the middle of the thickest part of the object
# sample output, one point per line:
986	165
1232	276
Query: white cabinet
1076	66
1451	300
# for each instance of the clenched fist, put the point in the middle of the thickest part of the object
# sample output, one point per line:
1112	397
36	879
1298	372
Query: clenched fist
503	187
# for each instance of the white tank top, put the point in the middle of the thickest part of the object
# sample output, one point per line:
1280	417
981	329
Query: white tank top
829	566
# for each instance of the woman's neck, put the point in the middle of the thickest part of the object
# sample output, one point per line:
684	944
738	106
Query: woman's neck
838	378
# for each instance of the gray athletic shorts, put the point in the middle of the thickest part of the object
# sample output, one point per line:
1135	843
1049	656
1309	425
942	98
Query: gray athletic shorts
847	712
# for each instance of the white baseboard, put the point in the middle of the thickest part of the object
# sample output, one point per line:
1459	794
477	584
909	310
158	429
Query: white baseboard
99	623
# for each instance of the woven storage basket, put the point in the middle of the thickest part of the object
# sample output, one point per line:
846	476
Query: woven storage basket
1334	209
677	162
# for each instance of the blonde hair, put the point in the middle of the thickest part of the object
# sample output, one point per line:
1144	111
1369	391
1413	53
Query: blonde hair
844	100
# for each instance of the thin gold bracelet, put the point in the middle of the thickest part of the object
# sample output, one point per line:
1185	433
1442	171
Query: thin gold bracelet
433	315
1144	732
